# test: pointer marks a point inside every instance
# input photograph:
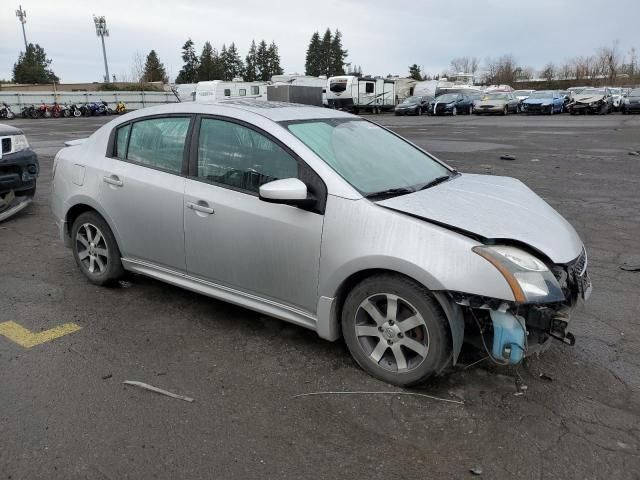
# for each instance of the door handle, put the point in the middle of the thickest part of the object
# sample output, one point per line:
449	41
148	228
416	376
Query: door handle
200	208
113	180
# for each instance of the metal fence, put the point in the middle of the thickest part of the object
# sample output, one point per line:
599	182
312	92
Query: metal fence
133	100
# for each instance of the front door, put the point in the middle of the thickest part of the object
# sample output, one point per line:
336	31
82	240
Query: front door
142	190
233	238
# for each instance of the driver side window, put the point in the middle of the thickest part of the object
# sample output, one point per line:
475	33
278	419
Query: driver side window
237	156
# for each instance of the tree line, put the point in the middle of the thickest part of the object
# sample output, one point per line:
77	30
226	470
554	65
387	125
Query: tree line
326	55
261	63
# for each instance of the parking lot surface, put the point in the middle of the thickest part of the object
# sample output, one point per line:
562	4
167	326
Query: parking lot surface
64	412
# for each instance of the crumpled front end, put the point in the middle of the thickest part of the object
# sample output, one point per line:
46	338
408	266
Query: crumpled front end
18	174
511	330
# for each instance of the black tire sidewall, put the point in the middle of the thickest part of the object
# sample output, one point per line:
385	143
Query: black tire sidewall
114	269
440	345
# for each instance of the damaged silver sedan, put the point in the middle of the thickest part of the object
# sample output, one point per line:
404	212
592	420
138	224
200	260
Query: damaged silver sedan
328	221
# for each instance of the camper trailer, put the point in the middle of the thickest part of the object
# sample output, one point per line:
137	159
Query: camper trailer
349	92
186	92
216	90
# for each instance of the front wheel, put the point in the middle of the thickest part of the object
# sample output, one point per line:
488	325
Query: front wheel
470	109
395	330
10	115
505	110
419	111
454	112
95	249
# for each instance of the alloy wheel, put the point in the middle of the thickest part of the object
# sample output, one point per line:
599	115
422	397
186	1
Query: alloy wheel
92	249
391	332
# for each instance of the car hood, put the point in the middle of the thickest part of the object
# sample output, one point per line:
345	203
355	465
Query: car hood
588	98
406	105
494	208
491	102
9	130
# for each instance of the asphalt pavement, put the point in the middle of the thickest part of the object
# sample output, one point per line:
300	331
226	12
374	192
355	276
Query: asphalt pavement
65	413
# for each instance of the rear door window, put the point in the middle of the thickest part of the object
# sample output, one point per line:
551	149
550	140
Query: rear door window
159	142
240	157
122	137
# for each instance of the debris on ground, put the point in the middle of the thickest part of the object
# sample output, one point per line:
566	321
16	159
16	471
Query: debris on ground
380	393
633	152
124	284
535	159
151	388
544	376
630	268
507	156
476	470
107	376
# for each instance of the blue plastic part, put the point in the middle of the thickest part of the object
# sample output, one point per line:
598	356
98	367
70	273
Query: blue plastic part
508	337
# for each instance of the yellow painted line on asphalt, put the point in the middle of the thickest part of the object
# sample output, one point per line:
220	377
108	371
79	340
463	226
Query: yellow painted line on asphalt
27	339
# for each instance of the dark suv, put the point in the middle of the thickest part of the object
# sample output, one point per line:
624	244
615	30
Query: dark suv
19	170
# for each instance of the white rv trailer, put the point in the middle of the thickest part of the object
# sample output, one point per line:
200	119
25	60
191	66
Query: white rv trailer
426	88
349	92
216	90
186	92
304	81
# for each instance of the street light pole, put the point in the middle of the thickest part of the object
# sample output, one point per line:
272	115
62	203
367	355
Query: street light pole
102	31
22	18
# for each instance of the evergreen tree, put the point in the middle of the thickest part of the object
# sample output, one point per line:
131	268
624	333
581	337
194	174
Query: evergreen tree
312	64
232	65
262	61
153	69
189	71
324	54
251	67
274	60
33	66
337	55
210	67
415	72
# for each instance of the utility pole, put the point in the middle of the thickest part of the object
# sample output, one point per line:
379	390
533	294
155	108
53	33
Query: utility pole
22	18
102	31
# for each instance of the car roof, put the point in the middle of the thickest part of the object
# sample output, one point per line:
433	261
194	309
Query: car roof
275	111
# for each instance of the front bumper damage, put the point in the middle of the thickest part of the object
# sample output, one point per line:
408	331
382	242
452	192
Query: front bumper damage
509	331
18	175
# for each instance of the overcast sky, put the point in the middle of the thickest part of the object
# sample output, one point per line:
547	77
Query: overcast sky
382	36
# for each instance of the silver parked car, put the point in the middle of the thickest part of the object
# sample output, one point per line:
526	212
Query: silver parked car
326	220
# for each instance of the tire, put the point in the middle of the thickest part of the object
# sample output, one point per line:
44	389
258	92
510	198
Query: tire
10	115
77	113
419	111
470	109
454	112
422	348
505	111
105	254
551	112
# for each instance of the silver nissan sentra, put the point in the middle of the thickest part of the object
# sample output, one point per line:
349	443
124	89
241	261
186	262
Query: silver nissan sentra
325	220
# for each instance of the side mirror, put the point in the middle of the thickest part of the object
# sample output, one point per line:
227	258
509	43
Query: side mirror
289	191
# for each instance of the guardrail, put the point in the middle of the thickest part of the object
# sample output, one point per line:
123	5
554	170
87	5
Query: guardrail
133	100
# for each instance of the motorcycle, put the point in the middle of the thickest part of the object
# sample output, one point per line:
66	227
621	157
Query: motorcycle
92	109
107	109
121	107
56	110
66	111
6	112
75	110
44	111
29	112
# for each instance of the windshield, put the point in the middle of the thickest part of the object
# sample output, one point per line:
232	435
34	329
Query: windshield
370	158
411	100
635	93
338	85
543	94
447	97
522	93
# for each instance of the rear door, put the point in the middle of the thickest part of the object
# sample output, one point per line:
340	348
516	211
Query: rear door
236	240
142	189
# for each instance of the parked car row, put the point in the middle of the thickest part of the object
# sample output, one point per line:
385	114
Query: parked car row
57	110
583	100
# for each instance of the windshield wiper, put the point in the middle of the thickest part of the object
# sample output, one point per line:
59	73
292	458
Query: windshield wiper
436	181
391	192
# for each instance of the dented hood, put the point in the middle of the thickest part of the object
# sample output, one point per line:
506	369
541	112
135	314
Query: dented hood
496	208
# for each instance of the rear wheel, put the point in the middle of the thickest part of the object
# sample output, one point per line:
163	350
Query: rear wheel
395	330
95	249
